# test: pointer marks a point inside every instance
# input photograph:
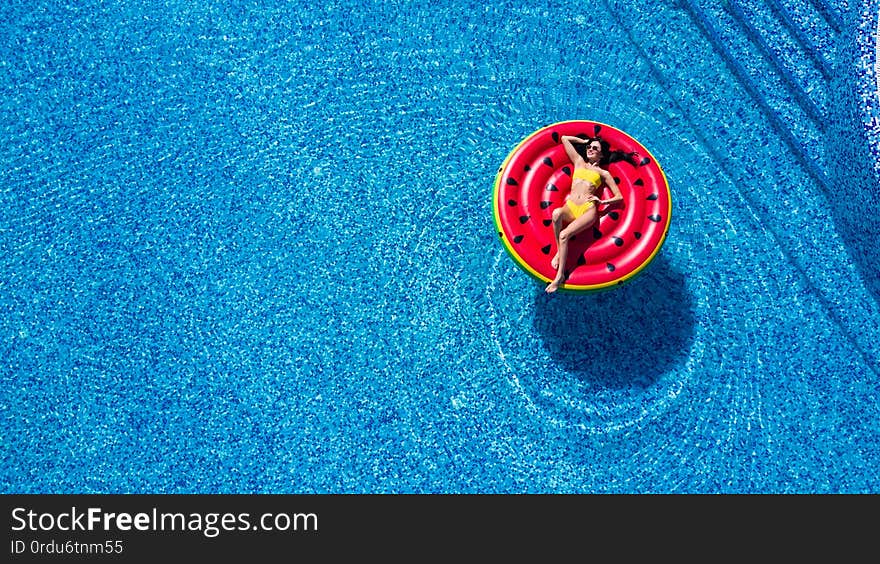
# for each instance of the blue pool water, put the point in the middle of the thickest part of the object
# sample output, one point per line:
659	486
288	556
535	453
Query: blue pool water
248	247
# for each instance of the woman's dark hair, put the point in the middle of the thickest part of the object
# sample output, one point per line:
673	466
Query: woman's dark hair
609	156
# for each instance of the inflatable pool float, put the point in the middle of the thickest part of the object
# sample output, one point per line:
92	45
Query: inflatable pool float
535	178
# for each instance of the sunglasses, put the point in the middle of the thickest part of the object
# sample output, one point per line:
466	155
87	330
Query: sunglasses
596	148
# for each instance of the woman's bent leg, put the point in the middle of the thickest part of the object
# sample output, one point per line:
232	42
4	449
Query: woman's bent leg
563	235
561	217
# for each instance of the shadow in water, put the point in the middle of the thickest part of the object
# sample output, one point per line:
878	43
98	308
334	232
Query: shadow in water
630	335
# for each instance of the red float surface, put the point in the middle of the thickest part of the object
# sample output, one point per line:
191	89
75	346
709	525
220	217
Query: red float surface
534	180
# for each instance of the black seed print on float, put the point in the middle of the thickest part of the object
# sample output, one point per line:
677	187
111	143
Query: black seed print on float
546	250
552	188
523	218
617	241
555	137
644	161
548	161
596	233
655	217
566	170
512	182
637	235
511	202
653	197
545	205
547	222
614	215
518	239
610	267
639	182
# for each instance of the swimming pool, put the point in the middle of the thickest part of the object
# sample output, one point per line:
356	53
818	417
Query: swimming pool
250	248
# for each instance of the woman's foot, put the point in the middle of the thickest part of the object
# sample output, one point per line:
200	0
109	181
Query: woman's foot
554	262
553	286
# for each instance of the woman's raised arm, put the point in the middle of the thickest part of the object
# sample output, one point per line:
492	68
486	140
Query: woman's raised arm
573	155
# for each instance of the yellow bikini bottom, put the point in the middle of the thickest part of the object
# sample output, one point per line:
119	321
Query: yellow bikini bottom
578	210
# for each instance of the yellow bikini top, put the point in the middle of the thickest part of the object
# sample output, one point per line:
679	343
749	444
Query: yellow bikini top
587	174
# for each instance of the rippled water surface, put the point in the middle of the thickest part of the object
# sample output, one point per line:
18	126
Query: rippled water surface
248	247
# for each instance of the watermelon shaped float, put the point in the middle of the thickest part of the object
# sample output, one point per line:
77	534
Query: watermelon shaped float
535	178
